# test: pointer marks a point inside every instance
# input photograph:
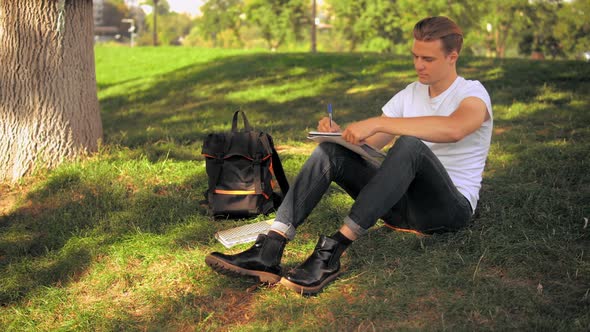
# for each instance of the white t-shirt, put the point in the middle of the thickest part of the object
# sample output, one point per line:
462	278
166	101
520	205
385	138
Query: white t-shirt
465	159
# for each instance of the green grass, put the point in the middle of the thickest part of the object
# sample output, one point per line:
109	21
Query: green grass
117	241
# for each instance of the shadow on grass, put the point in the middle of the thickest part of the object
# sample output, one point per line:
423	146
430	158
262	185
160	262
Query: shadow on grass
62	226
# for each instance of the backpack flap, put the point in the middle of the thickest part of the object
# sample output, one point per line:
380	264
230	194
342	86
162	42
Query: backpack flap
247	145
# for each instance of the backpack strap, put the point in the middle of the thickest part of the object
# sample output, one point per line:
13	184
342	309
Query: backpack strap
215	147
277	166
216	170
279	172
257	174
219	160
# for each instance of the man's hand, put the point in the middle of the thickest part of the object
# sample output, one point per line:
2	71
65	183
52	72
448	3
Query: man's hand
357	132
324	126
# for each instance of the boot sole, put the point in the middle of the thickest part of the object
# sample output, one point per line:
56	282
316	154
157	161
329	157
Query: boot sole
223	267
308	290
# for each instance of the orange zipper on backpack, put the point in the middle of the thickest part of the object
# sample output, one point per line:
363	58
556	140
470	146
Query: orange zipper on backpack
238	192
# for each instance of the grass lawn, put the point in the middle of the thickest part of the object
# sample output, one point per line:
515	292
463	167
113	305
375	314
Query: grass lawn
117	241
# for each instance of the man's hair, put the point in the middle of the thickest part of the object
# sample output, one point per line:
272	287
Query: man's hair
440	27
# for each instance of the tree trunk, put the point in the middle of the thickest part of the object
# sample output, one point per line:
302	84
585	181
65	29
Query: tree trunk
313	28
500	39
155	32
48	104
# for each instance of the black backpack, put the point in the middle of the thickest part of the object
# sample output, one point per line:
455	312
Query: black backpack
240	166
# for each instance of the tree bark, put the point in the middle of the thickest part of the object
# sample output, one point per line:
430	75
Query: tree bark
155	32
313	27
49	109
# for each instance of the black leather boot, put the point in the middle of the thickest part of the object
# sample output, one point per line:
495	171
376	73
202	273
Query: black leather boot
261	261
322	267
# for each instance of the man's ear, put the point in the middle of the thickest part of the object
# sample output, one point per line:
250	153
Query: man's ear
453	56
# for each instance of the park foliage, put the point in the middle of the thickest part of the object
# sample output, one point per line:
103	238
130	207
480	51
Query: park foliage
504	28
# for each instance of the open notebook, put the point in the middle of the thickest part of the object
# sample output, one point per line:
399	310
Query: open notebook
364	150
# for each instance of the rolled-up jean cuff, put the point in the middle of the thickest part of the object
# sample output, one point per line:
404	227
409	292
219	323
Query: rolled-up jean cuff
354	227
286	229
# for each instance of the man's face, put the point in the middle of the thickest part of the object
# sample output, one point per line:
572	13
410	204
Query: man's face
431	63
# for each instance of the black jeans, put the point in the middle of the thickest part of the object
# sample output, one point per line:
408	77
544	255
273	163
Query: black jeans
411	189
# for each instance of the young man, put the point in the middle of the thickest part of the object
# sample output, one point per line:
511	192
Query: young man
429	180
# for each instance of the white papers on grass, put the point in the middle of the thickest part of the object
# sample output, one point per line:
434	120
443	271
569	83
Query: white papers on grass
243	234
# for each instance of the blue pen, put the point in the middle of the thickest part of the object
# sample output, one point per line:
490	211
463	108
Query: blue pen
330	114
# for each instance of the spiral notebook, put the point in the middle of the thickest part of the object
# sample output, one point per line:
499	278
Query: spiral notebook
364	150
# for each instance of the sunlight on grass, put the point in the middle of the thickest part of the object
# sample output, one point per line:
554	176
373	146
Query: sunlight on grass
562	143
366	88
124	64
495	73
520	109
548	94
407	76
297	71
498	158
282	93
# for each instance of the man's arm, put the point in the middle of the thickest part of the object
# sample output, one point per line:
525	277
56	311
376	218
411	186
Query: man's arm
379	140
377	131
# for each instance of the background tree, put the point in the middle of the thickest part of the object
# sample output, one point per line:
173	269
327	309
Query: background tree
380	26
573	27
492	28
219	16
161	33
347	13
386	26
537	35
113	12
372	24
506	19
278	20
159	7
173	28
466	13
49	110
